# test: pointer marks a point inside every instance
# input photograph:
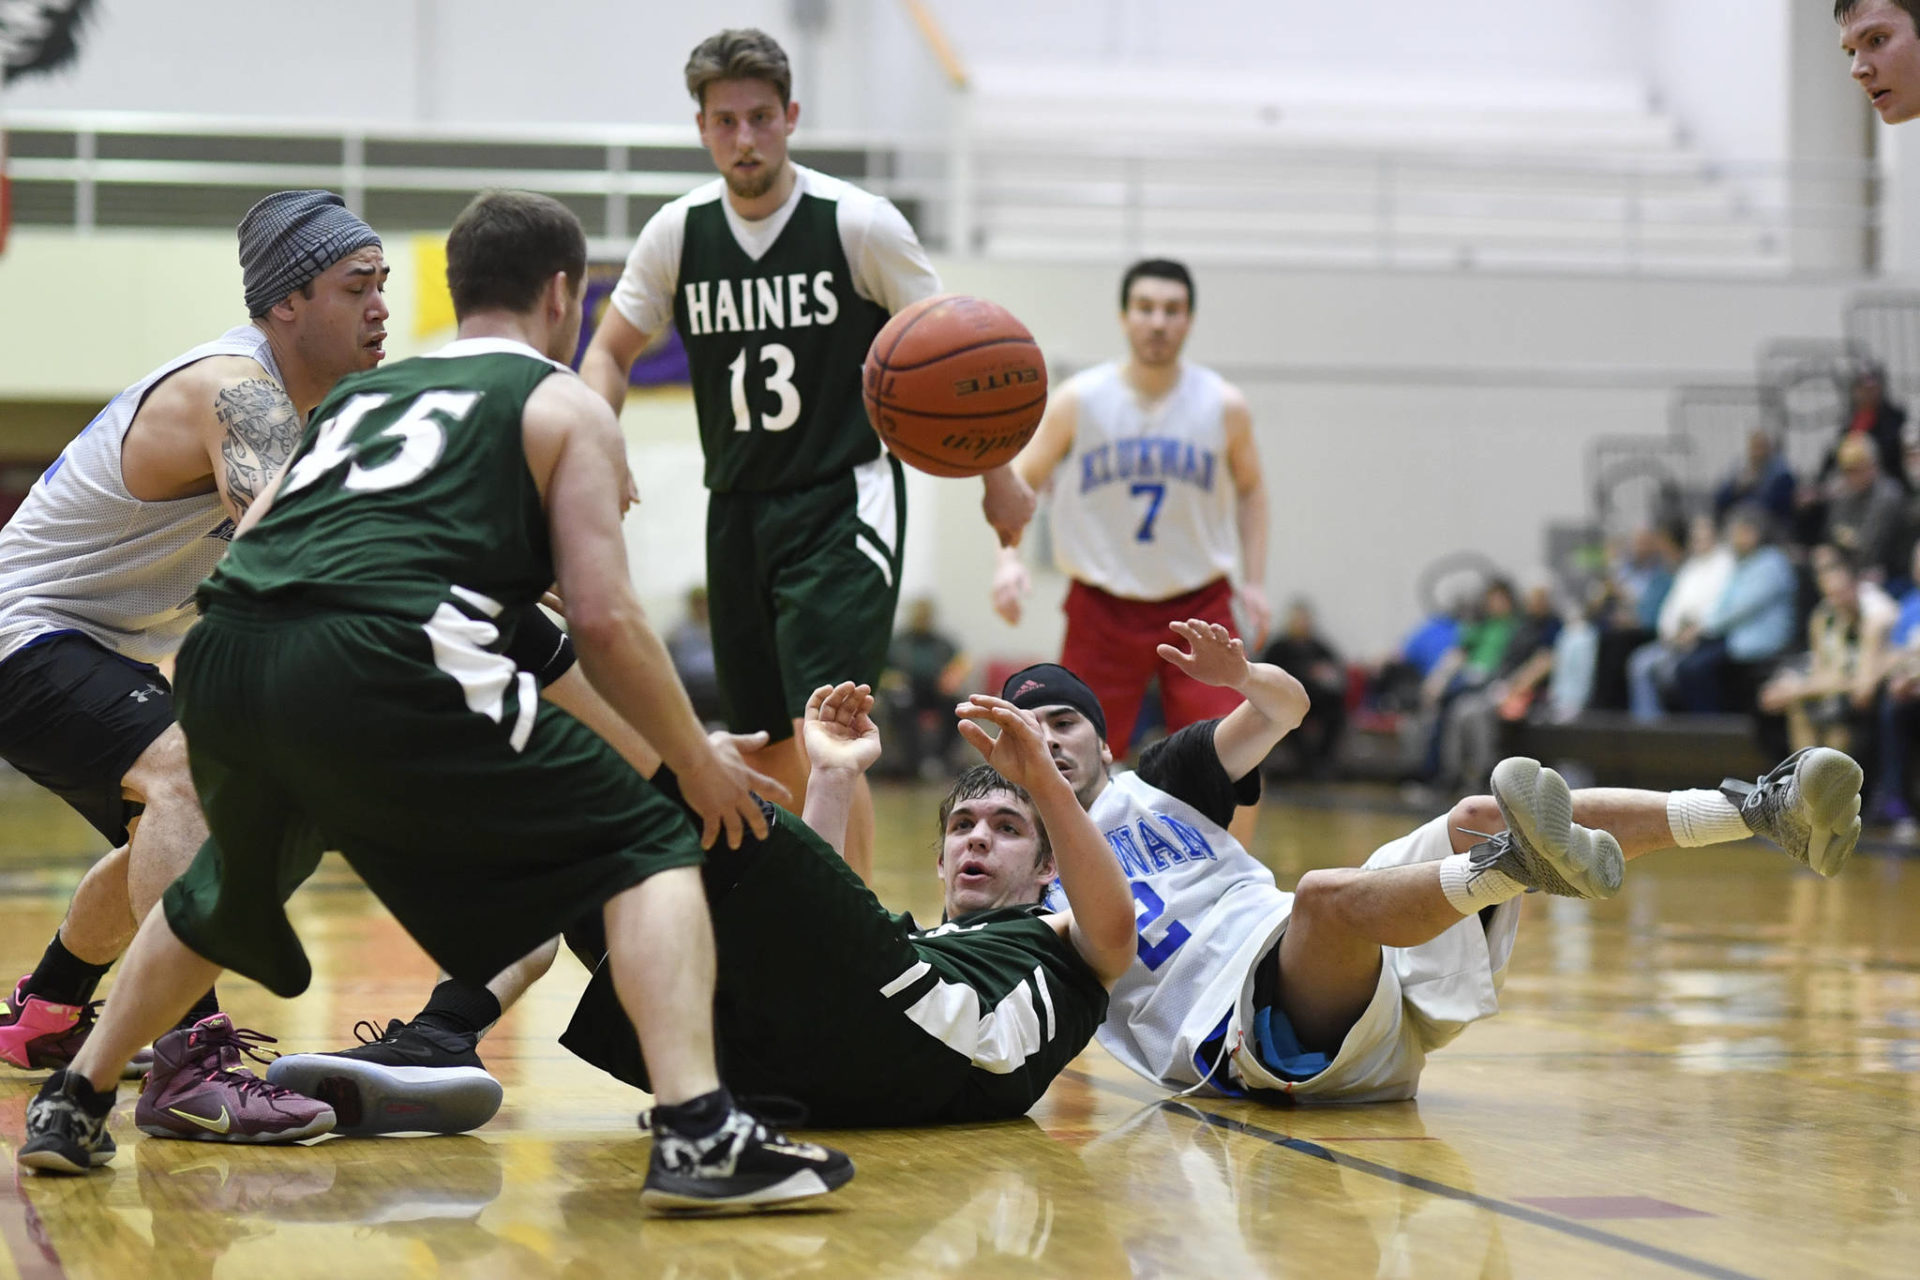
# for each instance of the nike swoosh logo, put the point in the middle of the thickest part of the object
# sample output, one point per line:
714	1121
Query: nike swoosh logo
217	1126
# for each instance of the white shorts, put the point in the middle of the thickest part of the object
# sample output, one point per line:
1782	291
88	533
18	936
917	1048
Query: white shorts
1425	997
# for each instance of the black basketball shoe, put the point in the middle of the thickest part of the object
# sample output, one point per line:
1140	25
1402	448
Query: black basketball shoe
67	1127
414	1078
740	1167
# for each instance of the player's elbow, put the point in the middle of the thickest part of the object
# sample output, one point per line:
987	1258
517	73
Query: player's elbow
1109	946
599	623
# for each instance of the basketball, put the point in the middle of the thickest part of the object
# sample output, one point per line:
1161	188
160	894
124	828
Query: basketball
955	385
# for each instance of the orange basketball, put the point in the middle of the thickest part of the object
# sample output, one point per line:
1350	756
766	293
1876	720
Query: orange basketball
955	385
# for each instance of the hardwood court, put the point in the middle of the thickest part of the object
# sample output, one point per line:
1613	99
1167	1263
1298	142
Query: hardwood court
1712	1075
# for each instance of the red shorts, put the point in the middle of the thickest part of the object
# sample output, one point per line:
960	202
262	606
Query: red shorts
1112	645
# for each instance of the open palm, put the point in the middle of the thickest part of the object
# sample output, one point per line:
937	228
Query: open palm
839	729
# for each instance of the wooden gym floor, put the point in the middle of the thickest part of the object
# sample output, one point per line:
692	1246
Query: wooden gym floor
1712	1075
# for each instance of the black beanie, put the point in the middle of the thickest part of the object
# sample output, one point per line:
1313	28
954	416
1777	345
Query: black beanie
1047	684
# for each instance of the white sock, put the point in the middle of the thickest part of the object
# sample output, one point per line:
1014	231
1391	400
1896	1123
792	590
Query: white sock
1704	817
1470	889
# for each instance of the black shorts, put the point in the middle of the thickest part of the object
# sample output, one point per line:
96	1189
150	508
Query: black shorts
75	716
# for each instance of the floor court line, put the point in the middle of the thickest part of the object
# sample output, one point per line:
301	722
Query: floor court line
1505	1208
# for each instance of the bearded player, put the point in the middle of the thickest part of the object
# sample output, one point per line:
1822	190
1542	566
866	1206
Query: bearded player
778	278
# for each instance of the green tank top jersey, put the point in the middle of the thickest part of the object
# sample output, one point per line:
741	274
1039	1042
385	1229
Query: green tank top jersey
775	347
1044	1003
410	481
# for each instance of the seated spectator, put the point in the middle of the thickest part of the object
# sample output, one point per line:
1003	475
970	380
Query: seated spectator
1828	694
926	674
1900	715
1627	612
1299	650
1909	537
1748	628
1697	588
1763	479
690	645
1865	511
1469	666
1470	736
1875	419
1396	683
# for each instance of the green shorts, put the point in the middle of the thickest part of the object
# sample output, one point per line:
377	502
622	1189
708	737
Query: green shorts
806	955
484	819
801	588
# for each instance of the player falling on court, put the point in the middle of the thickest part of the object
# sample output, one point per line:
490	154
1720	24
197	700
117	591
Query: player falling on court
97	574
1882	37
1157	502
351	661
1338	990
777	278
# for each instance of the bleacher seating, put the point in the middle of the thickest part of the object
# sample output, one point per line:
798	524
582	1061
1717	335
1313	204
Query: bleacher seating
1097	162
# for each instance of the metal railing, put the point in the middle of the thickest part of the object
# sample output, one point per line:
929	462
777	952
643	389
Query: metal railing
978	193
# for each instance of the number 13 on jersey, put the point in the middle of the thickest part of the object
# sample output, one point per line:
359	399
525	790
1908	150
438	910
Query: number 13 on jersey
777	359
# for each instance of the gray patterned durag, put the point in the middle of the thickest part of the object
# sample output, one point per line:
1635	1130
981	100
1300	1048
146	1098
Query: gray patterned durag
292	236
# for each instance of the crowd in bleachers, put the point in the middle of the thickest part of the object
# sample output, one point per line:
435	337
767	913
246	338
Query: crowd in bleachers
1791	599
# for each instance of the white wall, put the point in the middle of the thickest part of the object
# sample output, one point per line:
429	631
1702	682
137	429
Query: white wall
1720	67
602	60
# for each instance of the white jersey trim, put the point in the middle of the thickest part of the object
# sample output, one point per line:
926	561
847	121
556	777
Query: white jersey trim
888	263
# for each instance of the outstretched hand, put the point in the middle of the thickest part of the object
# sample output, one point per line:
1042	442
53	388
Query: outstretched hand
839	733
1019	754
1213	655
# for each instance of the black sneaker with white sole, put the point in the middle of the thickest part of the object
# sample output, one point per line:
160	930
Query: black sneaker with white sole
740	1167
413	1078
67	1127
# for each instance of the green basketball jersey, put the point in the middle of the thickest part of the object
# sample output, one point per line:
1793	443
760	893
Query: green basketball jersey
775	346
1003	988
411	481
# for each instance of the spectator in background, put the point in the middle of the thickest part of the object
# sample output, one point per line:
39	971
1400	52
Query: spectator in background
1299	650
1875	419
1900	715
926	674
1467	667
690	645
1763	479
1865	510
1627	612
1747	629
1470	736
1697	587
1829	694
1909	539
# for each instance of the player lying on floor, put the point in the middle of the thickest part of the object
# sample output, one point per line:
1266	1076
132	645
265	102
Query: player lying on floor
1338	991
825	997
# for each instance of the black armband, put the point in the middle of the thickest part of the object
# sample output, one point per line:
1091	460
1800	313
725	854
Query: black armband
539	646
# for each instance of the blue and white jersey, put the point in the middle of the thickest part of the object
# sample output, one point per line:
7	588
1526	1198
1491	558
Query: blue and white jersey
1206	910
1144	505
83	554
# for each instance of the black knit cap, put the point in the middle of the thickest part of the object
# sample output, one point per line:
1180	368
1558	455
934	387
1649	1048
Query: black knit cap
1047	684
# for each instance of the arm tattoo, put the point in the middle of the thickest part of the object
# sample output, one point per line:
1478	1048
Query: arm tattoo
261	432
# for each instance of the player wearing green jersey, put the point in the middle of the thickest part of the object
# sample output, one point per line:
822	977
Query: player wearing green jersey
777	278
348	688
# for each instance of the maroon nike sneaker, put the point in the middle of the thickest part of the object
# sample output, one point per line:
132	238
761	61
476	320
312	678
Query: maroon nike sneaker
199	1090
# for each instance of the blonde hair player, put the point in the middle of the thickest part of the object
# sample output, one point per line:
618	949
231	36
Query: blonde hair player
1159	502
778	278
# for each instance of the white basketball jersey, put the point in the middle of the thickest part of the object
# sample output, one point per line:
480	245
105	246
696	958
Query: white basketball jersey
1206	910
82	554
1143	507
